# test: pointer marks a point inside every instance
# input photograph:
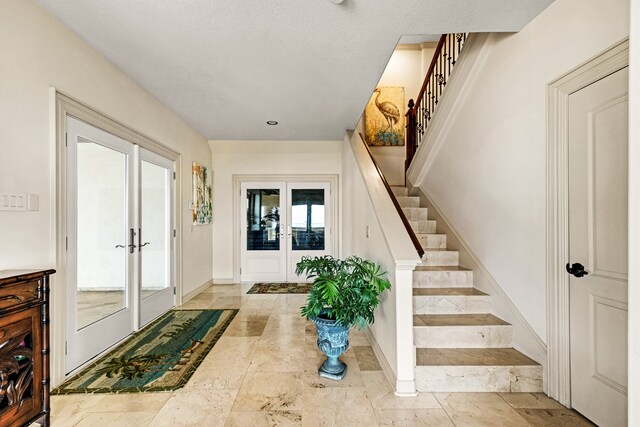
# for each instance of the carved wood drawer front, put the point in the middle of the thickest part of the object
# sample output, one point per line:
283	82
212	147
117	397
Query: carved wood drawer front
21	385
19	293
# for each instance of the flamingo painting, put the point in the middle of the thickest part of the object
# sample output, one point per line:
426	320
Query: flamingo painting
384	123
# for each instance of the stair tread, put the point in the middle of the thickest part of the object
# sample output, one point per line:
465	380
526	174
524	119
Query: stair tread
440	267
455	292
484	319
429	234
472	357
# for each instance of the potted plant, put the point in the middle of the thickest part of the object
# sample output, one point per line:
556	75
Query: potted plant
344	294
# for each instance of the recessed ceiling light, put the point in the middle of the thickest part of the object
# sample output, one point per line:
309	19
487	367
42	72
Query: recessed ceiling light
272	122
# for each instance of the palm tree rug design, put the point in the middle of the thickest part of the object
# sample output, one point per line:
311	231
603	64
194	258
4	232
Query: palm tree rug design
280	288
160	357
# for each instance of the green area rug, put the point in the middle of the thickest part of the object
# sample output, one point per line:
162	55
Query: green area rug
280	288
161	357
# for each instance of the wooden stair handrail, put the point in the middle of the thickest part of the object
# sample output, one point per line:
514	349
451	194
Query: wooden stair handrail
420	112
405	221
434	60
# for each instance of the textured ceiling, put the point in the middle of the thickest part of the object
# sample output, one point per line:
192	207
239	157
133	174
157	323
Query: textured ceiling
226	67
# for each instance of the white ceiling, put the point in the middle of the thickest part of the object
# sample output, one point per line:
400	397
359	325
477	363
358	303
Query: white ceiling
226	67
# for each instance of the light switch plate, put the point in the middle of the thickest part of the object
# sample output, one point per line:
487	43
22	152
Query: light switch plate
13	201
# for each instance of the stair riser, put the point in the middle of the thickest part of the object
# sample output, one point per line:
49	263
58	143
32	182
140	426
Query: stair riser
400	191
451	304
433	241
416	214
442	279
440	259
503	379
482	336
408	202
423	226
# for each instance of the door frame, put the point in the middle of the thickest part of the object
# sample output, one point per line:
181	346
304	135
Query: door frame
558	373
237	210
62	105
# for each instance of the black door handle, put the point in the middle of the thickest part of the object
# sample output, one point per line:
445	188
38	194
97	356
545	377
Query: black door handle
576	269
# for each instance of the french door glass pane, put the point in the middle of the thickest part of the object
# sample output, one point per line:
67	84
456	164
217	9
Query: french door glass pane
263	219
155	231
101	233
307	219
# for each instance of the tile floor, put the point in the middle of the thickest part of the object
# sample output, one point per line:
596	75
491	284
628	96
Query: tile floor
263	372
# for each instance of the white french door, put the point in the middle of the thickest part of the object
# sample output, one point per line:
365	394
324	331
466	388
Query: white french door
119	246
281	223
155	235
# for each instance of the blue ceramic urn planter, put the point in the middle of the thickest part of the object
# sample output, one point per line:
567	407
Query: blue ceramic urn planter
333	340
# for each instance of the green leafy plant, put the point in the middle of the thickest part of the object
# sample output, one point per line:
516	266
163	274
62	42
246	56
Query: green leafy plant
346	290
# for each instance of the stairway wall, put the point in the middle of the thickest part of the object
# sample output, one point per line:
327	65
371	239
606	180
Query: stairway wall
485	167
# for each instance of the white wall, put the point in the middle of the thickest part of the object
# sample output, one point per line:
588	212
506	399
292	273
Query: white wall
405	68
259	158
634	217
488	174
39	52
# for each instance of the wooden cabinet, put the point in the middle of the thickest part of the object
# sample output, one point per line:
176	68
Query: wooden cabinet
24	347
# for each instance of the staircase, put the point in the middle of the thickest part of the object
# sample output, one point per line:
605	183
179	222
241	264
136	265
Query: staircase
460	345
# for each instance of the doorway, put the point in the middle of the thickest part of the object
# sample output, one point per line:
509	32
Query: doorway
120	248
587	238
282	221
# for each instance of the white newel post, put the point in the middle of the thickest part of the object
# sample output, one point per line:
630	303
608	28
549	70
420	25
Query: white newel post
405	380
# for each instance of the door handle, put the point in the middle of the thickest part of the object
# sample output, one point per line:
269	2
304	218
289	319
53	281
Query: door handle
140	244
132	237
120	246
576	269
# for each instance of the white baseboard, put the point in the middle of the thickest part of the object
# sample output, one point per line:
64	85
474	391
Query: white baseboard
223	281
196	291
525	339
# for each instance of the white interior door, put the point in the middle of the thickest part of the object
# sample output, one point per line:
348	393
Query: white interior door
262	232
155	235
99	225
598	153
309	227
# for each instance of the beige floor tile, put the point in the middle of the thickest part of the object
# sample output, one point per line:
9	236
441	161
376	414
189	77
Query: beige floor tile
413	418
115	419
239	383
310	377
479	410
382	396
290	303
530	400
195	408
247	326
68	409
358	337
265	391
554	418
336	407
226	365
367	360
278	358
134	402
264	419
